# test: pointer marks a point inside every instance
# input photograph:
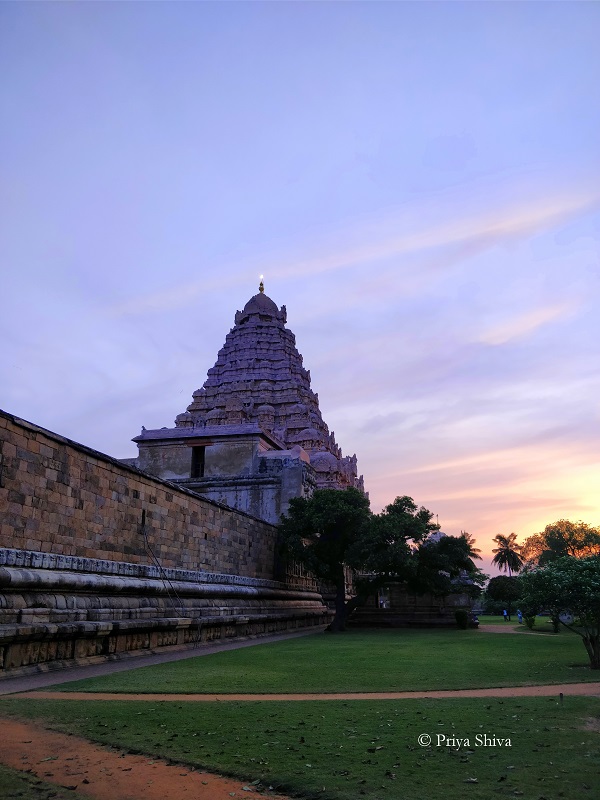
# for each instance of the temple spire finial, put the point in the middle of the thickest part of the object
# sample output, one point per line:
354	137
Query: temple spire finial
261	285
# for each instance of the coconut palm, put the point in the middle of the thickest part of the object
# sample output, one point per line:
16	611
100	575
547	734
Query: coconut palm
470	540
508	552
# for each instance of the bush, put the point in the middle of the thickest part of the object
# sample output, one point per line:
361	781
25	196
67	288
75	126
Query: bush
491	607
529	621
462	618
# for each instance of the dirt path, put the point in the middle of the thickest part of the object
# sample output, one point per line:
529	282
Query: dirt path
107	774
510	628
548	690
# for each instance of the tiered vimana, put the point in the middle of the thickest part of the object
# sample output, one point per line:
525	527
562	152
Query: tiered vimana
255	416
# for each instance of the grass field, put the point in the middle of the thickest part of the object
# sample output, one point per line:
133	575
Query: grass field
358	750
369	661
350	750
15	785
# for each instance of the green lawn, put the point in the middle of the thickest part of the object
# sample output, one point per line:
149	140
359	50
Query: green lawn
542	624
350	750
371	661
489	619
341	750
15	784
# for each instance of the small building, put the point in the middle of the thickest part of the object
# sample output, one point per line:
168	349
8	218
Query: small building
394	606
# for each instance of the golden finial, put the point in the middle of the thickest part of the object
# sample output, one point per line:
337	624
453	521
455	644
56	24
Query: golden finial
261	285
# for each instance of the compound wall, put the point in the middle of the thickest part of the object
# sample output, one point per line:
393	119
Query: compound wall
60	497
98	558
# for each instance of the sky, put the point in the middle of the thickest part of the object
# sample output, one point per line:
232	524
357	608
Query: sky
418	183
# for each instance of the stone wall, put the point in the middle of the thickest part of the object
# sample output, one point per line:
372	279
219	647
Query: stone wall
98	559
58	609
61	497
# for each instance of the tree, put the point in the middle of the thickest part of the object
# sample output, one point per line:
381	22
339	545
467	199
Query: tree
445	565
562	538
441	564
324	533
532	548
568	585
507	553
470	540
505	589
335	529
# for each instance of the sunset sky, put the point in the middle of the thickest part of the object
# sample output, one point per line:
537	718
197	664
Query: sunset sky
419	183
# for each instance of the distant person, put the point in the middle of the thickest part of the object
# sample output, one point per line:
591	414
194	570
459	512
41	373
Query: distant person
520	616
505	615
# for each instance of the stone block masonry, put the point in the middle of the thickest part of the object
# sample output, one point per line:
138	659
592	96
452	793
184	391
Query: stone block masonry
98	559
60	497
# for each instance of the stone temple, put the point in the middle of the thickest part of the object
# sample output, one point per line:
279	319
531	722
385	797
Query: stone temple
253	436
101	557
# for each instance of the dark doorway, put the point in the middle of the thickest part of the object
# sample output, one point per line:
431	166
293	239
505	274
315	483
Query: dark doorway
198	454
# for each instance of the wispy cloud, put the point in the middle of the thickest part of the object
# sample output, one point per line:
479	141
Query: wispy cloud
522	488
393	237
523	324
492	227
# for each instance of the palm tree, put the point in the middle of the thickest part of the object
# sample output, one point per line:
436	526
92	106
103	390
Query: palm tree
507	556
470	540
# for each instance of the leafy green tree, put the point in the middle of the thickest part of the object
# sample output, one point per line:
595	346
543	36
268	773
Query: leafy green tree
445	565
532	548
568	585
562	538
505	589
507	556
335	530
325	533
441	565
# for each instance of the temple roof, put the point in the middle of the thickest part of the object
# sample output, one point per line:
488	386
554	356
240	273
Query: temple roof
209	432
259	379
260	304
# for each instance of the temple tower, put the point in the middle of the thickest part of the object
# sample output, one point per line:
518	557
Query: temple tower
254	419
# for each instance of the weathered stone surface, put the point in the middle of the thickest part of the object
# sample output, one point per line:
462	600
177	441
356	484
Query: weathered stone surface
259	377
255	415
99	557
122	561
113	512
